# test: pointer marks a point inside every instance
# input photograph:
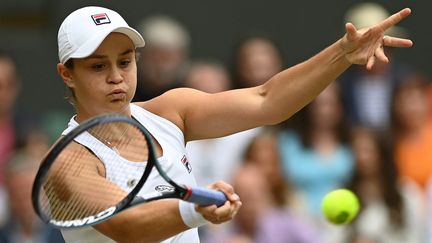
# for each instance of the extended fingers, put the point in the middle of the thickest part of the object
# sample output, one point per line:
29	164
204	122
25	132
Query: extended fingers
396	42
370	62
365	46
379	53
351	31
395	18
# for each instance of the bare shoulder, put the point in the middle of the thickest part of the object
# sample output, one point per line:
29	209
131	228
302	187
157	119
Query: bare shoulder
173	104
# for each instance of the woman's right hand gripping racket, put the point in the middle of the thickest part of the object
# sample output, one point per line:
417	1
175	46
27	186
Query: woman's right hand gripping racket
73	188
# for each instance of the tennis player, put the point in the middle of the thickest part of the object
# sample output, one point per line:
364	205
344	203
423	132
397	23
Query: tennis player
98	64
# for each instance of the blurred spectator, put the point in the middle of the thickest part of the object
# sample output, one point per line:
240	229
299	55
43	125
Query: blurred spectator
214	159
208	76
163	61
392	210
34	143
263	152
23	224
429	212
8	94
260	220
9	86
316	157
256	59
429	94
413	130
53	123
366	93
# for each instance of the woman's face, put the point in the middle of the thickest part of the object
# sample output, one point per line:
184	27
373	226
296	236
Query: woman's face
258	61
105	81
411	107
366	153
326	110
264	154
8	86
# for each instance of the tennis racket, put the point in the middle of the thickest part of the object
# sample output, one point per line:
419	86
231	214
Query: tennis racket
73	188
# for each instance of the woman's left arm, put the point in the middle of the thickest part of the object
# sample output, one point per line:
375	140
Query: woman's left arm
202	115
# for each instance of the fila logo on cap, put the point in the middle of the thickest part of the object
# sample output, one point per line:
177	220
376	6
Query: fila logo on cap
101	18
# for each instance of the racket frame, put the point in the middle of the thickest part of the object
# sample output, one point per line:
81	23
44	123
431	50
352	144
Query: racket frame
193	194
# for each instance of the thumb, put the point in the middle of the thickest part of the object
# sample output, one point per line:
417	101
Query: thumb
351	31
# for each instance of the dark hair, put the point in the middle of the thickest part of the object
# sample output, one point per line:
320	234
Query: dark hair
69	63
388	179
69	94
5	55
301	122
280	188
410	82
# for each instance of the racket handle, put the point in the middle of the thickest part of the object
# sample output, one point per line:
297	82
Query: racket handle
203	196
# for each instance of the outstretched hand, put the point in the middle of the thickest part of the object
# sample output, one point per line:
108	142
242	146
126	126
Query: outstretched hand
364	46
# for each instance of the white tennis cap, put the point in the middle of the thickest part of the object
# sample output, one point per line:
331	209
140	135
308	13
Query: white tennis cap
83	31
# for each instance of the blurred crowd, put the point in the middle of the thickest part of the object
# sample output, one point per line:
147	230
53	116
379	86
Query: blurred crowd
369	131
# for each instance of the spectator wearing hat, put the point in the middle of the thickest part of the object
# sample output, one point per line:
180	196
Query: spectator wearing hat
163	62
367	93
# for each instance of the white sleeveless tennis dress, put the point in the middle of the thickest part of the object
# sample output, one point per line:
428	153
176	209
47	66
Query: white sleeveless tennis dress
173	160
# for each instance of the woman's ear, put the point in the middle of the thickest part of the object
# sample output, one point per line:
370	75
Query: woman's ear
65	74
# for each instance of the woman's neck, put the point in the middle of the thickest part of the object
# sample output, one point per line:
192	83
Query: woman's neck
84	114
324	141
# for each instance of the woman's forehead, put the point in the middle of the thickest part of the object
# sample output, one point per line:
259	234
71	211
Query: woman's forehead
115	43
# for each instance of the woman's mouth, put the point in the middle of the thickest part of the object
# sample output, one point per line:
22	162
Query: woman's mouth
117	94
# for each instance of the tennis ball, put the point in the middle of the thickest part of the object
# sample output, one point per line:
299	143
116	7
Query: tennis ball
340	206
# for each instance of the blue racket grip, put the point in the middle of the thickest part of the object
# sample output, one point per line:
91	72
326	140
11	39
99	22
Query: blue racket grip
204	197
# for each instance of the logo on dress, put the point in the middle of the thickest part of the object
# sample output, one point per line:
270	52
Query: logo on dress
164	188
186	163
101	18
131	182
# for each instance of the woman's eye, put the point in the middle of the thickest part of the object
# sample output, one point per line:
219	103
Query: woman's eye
124	63
98	67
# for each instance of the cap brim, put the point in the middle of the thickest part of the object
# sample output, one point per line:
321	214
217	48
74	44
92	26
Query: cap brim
91	45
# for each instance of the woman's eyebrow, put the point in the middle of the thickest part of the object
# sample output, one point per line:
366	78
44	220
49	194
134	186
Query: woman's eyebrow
127	52
98	56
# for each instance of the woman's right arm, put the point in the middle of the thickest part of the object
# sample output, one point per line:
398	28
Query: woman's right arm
84	185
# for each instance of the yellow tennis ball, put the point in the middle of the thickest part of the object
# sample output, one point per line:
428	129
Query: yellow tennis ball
340	206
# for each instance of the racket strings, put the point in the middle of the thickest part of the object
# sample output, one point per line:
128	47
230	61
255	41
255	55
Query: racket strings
74	187
63	204
51	200
124	139
55	191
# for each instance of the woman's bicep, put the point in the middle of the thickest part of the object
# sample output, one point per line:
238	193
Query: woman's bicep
224	113
201	115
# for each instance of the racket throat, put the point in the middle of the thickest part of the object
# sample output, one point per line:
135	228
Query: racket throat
187	193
